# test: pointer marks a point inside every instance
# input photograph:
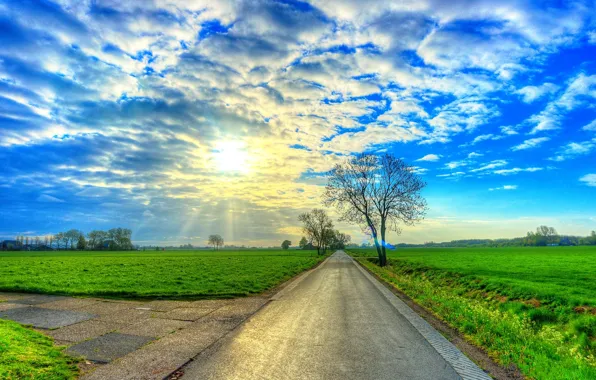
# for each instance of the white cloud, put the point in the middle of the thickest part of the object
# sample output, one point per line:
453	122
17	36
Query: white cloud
419	170
591	126
572	150
49	199
455	174
531	143
589	179
504	187
455	164
532	93
580	91
517	170
475	155
481	138
491	165
430	158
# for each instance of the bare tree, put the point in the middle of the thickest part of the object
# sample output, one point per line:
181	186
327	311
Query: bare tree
216	241
377	193
318	227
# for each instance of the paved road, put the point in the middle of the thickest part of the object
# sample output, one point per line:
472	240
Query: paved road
335	324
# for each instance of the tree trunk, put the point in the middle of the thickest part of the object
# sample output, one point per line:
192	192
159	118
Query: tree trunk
383	260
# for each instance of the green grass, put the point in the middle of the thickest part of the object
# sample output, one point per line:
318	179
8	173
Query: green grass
27	354
152	274
531	307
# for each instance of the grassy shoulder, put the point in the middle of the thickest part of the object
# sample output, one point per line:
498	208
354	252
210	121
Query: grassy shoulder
151	274
546	326
27	354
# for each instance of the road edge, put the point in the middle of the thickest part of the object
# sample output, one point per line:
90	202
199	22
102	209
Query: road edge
466	368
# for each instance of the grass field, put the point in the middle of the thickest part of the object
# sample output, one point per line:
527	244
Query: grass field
138	274
27	354
534	307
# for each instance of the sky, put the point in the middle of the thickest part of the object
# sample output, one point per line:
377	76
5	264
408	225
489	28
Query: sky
179	119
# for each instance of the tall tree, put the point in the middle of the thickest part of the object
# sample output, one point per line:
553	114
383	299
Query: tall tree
318	227
377	193
303	242
286	244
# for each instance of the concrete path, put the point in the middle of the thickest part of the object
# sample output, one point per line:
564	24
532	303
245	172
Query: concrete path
129	339
336	323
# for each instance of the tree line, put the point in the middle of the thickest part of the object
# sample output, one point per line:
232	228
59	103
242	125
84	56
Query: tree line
115	239
543	236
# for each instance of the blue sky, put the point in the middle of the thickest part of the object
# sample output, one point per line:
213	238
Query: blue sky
179	119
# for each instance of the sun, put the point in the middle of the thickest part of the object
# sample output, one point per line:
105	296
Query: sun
231	156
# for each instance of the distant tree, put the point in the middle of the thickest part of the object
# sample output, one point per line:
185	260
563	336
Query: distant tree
318	227
377	193
121	238
58	239
71	237
81	244
340	240
216	241
303	242
286	244
96	238
65	240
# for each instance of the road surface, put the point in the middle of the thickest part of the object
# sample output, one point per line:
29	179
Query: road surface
334	324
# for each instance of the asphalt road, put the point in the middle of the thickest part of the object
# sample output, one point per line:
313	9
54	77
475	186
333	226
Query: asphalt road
334	324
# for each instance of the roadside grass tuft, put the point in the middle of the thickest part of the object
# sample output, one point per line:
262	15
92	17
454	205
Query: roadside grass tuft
27	354
530	307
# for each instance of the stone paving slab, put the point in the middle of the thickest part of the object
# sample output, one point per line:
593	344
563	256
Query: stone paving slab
108	347
154	327
213	303
38	299
69	303
158	359
129	316
105	308
187	313
8	306
85	330
121	333
45	318
165	305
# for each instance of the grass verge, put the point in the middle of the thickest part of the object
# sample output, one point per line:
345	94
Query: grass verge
27	354
544	340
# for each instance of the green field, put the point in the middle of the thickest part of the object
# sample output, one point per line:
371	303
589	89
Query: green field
534	307
27	354
151	274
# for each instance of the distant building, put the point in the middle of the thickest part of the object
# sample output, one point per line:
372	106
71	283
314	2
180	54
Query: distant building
10	245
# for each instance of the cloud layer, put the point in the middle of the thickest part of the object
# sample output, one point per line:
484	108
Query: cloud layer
119	110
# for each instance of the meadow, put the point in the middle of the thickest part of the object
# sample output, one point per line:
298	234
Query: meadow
28	354
152	274
534	307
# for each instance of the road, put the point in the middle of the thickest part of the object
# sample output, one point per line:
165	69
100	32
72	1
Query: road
334	324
